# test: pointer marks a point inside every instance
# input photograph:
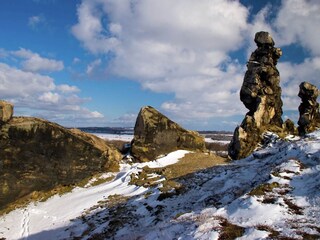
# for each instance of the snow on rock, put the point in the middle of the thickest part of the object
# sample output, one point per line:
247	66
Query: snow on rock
276	195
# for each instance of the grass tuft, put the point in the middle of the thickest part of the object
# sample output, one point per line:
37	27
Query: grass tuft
230	231
262	189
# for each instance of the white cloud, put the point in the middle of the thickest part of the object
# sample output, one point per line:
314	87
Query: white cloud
94	114
298	22
128	119
34	21
50	97
67	88
76	60
170	46
41	97
89	29
293	74
17	83
35	63
93	65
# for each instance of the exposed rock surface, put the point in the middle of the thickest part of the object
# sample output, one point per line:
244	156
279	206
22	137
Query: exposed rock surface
6	111
155	134
309	118
37	155
261	94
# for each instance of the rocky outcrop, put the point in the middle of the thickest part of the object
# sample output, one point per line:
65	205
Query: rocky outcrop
309	118
37	155
155	134
261	94
6	111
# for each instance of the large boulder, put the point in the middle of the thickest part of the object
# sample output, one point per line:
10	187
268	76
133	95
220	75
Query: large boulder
37	155
261	95
155	135
309	118
6	111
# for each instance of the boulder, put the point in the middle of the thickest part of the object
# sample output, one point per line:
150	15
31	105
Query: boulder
37	155
155	135
309	118
261	95
6	111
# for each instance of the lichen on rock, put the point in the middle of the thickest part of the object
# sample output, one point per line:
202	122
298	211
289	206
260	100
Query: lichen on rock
155	134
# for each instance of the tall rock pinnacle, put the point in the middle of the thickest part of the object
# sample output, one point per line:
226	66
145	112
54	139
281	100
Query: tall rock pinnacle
261	95
309	118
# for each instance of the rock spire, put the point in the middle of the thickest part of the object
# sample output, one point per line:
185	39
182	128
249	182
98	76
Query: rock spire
309	118
261	95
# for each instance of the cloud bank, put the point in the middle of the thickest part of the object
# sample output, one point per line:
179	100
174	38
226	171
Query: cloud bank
185	46
29	89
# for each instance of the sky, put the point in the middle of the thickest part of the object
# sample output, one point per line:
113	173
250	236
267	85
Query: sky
87	63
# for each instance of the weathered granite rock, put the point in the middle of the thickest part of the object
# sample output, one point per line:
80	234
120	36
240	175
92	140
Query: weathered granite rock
309	118
155	134
6	111
37	155
261	94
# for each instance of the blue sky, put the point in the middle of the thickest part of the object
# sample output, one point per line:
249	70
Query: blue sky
97	62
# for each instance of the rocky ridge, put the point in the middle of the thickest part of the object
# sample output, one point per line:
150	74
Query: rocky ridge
155	134
38	155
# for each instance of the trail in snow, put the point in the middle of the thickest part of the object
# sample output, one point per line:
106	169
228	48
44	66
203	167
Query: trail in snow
57	212
25	224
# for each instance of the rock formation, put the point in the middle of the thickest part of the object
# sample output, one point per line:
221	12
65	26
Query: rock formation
6	111
261	94
155	134
309	118
37	155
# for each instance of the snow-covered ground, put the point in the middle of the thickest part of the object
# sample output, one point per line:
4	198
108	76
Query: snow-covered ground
109	136
129	137
274	193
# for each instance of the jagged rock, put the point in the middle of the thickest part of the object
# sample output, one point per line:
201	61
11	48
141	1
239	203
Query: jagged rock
289	128
6	111
309	118
261	94
155	134
37	155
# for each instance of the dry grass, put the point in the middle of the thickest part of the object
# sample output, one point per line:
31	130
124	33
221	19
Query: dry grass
293	207
193	162
273	233
214	146
262	189
230	231
190	163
